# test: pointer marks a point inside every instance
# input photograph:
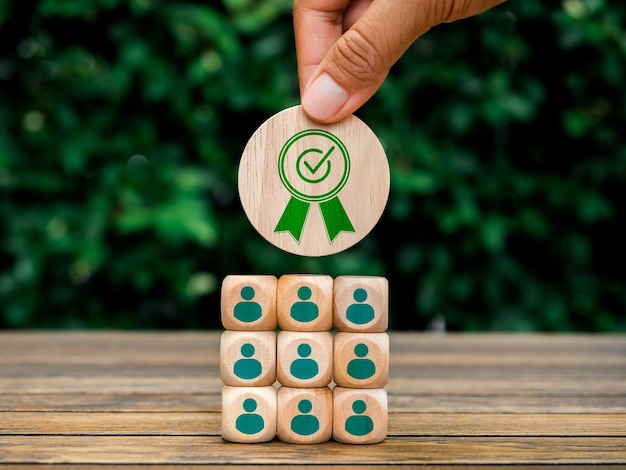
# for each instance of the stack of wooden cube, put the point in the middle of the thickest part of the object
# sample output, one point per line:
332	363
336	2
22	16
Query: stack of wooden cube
287	375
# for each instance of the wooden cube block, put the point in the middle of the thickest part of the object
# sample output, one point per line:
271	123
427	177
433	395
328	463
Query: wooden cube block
305	415
305	302
304	359
248	358
359	415
361	304
249	302
248	414
361	360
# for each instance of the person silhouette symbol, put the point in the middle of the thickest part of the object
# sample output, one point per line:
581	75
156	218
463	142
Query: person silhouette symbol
304	311
247	311
249	422
361	369
360	313
359	424
304	368
247	368
305	424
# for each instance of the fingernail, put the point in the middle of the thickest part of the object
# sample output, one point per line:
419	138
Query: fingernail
323	98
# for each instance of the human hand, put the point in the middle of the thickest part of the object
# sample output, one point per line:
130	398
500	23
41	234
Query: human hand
345	48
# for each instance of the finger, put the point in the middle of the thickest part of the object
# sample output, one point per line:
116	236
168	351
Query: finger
467	8
353	12
318	24
359	61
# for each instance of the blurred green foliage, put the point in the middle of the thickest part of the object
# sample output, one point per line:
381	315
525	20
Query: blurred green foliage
122	123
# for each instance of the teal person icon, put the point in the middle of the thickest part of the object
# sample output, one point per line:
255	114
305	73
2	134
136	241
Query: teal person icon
303	368
247	311
304	311
360	313
359	424
249	422
361	368
247	368
305	424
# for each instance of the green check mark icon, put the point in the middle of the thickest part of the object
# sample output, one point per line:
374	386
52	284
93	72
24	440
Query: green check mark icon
315	168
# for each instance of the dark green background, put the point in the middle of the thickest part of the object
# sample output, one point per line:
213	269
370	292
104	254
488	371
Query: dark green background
122	123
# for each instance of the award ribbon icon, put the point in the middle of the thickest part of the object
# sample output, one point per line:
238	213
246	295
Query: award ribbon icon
291	165
306	189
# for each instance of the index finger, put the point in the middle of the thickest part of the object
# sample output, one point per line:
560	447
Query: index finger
317	26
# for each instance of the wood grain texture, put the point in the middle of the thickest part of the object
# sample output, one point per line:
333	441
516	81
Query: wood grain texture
93	398
248	302
360	416
248	414
361	304
305	415
400	450
305	359
361	360
305	302
248	358
292	158
188	423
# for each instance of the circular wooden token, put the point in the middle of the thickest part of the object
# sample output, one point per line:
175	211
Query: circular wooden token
313	189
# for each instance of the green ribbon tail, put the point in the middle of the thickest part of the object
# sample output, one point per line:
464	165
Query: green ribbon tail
335	218
293	218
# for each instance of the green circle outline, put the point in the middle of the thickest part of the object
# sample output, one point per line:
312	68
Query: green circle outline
321	197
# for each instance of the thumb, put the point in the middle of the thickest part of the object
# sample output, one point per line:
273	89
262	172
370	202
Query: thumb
359	61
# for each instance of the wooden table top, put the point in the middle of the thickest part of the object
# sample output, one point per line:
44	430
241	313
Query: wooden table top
154	398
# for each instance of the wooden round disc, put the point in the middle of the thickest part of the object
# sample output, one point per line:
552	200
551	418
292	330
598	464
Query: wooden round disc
313	189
